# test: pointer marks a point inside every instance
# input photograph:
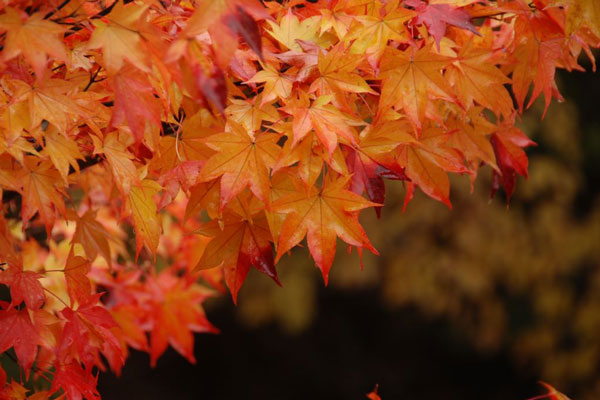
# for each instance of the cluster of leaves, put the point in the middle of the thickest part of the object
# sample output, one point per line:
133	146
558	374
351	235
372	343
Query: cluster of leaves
224	133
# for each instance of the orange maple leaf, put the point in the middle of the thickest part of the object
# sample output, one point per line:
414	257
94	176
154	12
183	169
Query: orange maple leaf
410	77
36	38
240	239
322	215
243	160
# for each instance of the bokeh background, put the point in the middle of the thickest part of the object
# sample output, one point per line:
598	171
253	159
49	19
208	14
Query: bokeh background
475	303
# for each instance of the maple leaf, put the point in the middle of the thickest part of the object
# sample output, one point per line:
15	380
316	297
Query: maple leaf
3	386
328	122
276	85
79	286
438	16
119	159
374	158
88	330
338	73
410	77
92	236
285	182
583	12
427	161
76	382
291	29
8	252
377	28
322	216
305	155
144	213
54	100
243	160
24	287
540	47
272	139
471	136
475	78
177	312
251	115
508	143
338	76
127	317
17	331
14	391
36	39
134	102
188	144
224	20
120	39
63	152
240	239
183	176
305	60
40	192
204	196
374	395
552	394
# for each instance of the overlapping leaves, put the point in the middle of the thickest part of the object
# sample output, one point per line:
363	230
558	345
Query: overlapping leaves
224	133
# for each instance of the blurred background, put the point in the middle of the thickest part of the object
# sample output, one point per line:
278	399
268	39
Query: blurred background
476	303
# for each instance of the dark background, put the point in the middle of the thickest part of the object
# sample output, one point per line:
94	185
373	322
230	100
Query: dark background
353	343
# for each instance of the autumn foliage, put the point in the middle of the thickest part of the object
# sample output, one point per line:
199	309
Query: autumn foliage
223	133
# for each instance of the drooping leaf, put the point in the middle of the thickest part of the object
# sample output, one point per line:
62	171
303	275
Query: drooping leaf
24	287
508	144
239	240
87	333
427	162
119	159
41	194
90	233
63	152
76	382
135	103
143	210
176	314
17	331
79	286
322	216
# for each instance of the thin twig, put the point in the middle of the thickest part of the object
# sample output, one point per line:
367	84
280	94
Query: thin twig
92	79
58	8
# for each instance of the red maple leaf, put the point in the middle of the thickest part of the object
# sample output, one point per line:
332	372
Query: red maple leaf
17	331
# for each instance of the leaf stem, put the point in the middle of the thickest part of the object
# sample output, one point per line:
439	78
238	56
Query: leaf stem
56	296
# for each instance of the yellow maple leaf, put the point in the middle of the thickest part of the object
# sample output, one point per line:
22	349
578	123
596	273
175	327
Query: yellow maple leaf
63	152
35	38
144	213
584	12
119	39
291	29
